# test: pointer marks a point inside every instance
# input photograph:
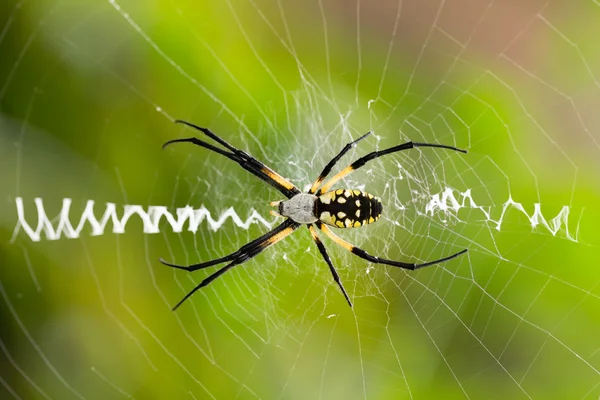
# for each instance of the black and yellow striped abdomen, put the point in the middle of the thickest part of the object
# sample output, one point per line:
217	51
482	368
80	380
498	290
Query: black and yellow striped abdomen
344	208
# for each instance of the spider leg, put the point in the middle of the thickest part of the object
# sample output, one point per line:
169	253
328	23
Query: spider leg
375	154
244	250
244	254
323	251
195	267
205	282
234	157
333	161
245	160
208	133
363	254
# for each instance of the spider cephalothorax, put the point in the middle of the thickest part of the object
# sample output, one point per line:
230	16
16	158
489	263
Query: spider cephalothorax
320	207
301	208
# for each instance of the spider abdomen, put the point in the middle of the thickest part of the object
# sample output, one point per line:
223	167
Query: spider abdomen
344	208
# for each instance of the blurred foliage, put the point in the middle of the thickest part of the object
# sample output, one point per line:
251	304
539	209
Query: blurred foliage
88	93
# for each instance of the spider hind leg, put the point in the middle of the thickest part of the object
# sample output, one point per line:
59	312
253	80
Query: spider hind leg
366	256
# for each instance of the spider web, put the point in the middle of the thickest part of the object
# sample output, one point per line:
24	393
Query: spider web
88	95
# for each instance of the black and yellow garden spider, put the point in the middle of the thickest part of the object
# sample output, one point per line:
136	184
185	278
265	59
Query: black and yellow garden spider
340	208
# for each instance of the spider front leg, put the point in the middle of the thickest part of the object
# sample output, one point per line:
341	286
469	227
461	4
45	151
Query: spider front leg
245	253
245	160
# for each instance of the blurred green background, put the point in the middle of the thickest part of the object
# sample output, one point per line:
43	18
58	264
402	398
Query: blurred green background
88	93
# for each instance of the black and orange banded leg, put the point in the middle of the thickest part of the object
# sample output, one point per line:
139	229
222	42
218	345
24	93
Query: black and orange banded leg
333	161
244	254
323	251
375	154
245	160
364	255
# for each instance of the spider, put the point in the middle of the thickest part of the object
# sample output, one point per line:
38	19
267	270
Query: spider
320	207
